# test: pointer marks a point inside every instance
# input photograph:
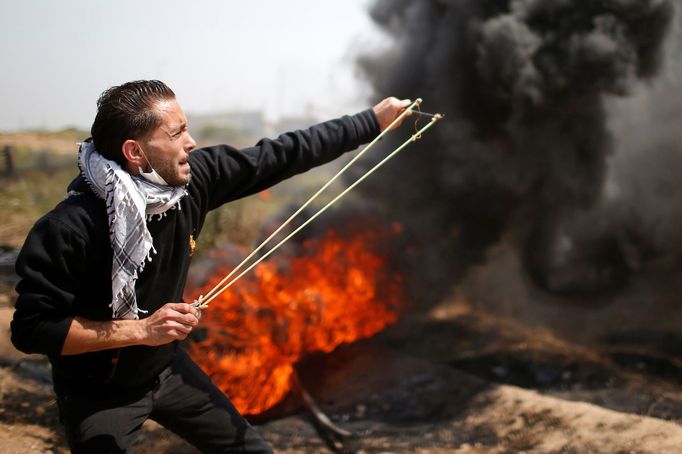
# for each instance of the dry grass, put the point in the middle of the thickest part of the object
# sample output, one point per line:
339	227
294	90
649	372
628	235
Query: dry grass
59	142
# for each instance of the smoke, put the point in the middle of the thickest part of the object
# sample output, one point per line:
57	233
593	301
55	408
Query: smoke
526	152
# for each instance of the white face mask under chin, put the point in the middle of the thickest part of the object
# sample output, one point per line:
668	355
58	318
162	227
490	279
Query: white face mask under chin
153	176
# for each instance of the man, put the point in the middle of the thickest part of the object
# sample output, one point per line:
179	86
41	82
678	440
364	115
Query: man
102	274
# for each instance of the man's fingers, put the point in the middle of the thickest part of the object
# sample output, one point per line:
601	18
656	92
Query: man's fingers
182	328
183	308
188	319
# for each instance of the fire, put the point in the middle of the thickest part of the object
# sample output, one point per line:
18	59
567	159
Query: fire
337	291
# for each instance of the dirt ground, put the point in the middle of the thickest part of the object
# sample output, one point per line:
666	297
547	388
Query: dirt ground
454	379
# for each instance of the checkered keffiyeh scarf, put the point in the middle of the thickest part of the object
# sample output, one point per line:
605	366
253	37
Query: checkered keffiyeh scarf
130	201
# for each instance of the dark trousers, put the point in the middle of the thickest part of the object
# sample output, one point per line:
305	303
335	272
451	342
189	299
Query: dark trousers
183	399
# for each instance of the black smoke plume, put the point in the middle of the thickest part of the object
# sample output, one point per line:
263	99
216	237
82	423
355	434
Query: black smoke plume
523	153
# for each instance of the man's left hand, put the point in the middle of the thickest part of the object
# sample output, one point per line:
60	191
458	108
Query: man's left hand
389	109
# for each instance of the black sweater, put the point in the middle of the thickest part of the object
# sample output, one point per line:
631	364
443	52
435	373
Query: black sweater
65	263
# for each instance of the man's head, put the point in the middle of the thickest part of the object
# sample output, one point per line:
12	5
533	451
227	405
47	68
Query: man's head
140	125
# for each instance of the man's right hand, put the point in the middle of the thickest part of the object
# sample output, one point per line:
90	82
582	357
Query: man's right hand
173	321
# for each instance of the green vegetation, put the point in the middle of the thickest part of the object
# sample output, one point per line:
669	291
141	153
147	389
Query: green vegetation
43	160
33	192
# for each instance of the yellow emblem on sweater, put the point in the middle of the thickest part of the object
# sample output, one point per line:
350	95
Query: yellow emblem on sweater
192	245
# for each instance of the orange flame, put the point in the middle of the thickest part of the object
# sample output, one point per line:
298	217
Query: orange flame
338	291
265	195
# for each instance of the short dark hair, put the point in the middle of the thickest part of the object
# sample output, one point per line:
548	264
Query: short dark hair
126	112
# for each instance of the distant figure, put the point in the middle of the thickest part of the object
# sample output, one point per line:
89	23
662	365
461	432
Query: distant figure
103	273
8	153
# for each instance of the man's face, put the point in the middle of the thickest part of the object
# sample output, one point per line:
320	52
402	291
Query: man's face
167	148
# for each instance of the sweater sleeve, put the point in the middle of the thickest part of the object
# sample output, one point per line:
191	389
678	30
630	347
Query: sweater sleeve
222	173
50	265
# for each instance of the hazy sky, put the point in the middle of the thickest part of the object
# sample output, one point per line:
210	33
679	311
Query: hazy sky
277	56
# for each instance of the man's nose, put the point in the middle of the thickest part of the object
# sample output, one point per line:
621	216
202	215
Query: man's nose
191	143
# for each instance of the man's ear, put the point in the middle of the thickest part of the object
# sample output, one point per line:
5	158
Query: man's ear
133	154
